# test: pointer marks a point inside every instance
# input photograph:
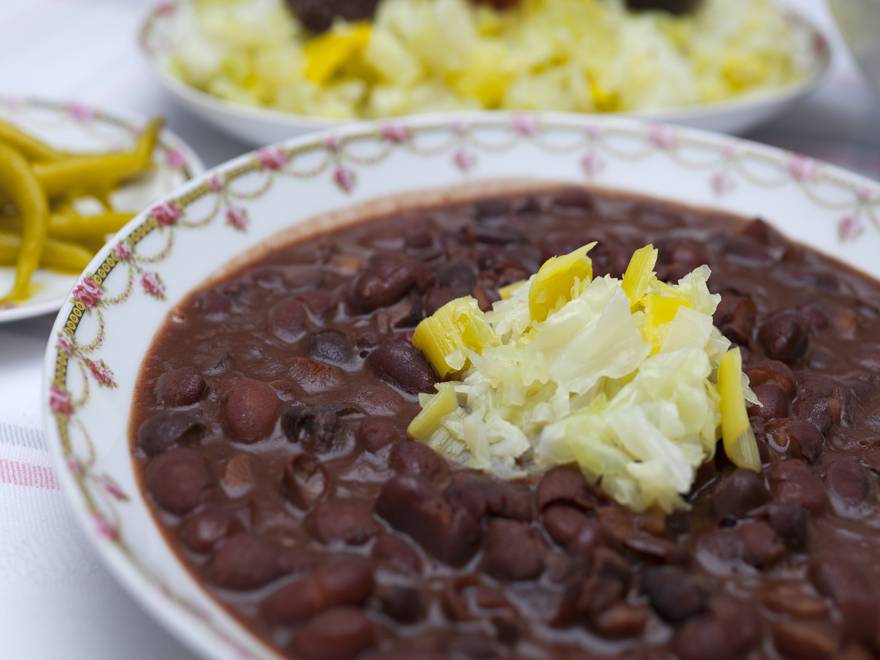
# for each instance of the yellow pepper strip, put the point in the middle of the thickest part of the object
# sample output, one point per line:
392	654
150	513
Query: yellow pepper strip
327	54
26	144
97	174
19	185
433	412
74	227
445	335
639	273
736	431
58	255
557	280
70	226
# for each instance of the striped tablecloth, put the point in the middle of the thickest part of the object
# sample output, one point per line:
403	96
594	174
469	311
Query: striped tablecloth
56	599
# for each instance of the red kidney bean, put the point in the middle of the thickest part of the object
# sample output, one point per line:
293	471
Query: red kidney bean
438	296
739	493
385	280
673	593
620	525
792	481
417	459
315	377
728	631
177	478
317	428
774	402
245	562
321	304
288	320
414	506
180	387
820	401
850	486
774	372
735	317
792	438
481	494
790	598
565	484
250	409
576	199
803	641
348	521
586	542
562	522
375	433
400	363
514	550
458	276
846	585
201	531
620	620
607	259
165	429
339	633
784	336
239	478
760	544
341	582
394	552
788	520
403	604
331	346
305	481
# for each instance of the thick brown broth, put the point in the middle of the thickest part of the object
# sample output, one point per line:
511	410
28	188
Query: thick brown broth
270	427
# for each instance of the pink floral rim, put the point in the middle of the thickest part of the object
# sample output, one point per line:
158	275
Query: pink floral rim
338	159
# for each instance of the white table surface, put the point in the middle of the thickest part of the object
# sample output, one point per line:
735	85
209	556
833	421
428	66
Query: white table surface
56	599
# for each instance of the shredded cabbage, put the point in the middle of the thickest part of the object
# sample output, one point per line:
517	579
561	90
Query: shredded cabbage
435	55
618	384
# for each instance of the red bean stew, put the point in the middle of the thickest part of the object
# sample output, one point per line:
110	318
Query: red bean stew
270	429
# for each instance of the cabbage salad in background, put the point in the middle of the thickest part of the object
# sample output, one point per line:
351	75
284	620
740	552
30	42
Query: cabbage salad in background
442	55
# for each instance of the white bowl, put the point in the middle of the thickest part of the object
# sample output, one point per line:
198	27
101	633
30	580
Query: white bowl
106	326
76	127
258	126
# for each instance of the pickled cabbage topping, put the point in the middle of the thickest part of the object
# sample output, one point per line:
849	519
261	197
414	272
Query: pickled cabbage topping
443	55
628	378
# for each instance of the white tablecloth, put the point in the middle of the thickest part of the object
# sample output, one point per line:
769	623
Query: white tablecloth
56	599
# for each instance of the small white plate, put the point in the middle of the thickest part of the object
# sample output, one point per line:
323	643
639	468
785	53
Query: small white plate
76	127
259	126
106	326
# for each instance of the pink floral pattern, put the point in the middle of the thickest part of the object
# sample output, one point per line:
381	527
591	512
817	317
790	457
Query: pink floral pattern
396	133
237	218
272	158
175	159
849	228
344	178
167	214
59	401
153	285
464	160
802	169
81	113
88	292
526	125
662	136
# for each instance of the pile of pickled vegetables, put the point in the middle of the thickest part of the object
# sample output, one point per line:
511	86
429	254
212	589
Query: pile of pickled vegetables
377	58
627	378
39	186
